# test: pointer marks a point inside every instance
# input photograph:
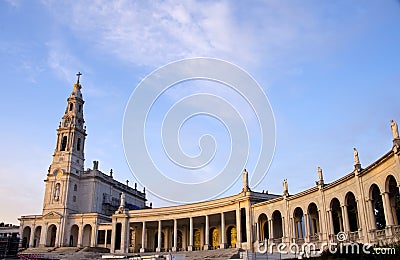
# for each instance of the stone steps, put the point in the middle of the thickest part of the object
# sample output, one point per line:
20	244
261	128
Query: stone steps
216	254
93	253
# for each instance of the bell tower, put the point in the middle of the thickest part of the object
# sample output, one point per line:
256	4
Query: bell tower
68	158
71	133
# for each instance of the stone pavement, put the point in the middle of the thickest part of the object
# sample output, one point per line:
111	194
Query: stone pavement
97	253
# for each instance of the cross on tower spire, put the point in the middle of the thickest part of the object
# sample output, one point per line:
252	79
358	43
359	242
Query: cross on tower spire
79	75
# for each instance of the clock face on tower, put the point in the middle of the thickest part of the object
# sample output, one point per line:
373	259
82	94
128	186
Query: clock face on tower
59	174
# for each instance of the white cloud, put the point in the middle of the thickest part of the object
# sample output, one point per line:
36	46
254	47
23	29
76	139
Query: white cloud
153	33
157	32
61	61
14	3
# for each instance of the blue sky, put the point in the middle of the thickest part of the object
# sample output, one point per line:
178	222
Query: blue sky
330	69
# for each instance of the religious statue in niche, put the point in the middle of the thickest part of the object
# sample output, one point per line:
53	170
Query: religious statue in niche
57	192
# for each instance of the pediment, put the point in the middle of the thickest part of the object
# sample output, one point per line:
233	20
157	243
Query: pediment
53	214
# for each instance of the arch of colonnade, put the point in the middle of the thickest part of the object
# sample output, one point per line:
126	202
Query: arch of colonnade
366	208
363	205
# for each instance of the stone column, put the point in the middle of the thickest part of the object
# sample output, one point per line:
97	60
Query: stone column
319	226
206	236
307	227
312	227
341	221
271	229
58	235
372	222
159	246
175	246
223	232
387	208
238	229
105	238
43	235
125	235
190	247
295	226
58	142
292	228
113	235
345	218
143	248
394	217
32	237
258	237
283	227
80	235
248	227
93	241
332	231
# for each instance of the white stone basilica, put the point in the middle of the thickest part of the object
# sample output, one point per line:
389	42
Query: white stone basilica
89	208
76	201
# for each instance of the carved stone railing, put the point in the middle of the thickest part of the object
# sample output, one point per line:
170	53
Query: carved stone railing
333	238
353	236
380	234
396	230
396	233
314	238
299	241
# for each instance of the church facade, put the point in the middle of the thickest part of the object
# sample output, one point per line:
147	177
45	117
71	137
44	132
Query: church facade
90	208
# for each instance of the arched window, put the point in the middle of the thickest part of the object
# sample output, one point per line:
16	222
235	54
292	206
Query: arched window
263	232
394	198
67	121
377	204
299	226
337	217
75	187
277	224
78	145
352	211
63	143
71	106
313	218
